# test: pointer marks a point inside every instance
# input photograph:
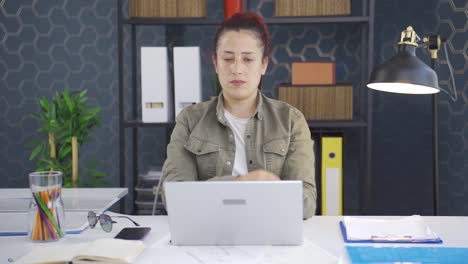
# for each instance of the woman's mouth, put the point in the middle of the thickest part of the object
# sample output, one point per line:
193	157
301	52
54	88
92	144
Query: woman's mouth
237	82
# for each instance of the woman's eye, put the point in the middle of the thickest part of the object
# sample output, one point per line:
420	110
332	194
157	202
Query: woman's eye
248	59
228	59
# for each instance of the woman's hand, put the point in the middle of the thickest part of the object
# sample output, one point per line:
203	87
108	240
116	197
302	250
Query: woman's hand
258	175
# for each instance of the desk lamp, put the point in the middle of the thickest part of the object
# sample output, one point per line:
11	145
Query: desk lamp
405	73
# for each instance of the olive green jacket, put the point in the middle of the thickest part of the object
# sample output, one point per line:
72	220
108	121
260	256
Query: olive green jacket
277	139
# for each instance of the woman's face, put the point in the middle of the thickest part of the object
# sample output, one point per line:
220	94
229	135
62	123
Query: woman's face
239	64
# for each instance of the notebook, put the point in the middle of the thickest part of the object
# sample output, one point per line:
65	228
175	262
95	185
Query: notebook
235	213
106	250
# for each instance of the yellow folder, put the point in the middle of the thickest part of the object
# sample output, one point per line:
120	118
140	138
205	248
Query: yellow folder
332	176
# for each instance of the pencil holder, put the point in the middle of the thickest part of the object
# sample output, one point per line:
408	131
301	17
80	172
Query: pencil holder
46	212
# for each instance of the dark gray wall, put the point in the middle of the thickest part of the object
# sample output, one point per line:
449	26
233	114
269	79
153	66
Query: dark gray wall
402	124
46	45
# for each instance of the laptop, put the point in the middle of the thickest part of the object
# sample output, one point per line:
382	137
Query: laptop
235	213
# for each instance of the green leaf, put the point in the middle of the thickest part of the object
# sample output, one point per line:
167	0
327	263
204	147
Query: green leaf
33	142
98	174
68	101
53	124
95	110
44	104
83	100
83	93
37	116
65	152
53	110
35	152
85	119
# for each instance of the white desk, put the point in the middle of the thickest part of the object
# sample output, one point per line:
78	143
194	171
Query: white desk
319	232
74	199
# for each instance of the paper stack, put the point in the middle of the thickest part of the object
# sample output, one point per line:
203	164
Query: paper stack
411	229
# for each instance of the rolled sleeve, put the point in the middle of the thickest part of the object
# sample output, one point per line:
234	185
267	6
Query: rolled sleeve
300	162
180	164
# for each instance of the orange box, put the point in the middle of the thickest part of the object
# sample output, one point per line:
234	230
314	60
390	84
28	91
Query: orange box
304	73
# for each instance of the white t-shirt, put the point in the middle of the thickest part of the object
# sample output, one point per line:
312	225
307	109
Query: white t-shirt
238	126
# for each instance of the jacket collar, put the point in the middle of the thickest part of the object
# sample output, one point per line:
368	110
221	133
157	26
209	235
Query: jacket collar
220	108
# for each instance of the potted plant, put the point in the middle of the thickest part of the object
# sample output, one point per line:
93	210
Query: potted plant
66	120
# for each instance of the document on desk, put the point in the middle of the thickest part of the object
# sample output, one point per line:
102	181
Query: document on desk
163	252
411	229
305	254
407	255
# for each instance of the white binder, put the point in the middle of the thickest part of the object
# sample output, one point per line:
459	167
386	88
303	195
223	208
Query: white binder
187	77
156	106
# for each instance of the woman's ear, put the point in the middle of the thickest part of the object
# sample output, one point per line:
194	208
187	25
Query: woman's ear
265	64
213	60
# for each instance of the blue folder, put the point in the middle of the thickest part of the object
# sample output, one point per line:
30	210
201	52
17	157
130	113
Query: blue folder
76	222
419	255
386	239
24	233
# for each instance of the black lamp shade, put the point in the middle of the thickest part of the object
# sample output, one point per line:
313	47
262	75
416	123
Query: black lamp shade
404	73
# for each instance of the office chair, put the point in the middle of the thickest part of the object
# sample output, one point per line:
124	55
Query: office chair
156	194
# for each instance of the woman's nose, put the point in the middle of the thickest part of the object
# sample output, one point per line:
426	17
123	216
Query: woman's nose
236	67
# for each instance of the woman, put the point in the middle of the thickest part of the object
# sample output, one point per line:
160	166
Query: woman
242	135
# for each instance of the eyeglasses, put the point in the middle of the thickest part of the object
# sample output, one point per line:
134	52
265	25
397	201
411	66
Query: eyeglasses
105	220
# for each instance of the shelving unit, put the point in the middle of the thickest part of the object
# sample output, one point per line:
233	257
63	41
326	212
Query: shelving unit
363	120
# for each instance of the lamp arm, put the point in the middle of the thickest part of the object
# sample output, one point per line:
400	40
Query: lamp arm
433	43
422	45
454	97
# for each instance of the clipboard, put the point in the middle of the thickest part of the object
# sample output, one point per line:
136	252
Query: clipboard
388	239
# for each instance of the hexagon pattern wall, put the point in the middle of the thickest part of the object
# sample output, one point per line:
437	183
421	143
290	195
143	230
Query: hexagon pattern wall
452	22
402	131
46	45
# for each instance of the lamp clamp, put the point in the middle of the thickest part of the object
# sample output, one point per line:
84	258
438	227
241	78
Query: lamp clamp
433	44
409	37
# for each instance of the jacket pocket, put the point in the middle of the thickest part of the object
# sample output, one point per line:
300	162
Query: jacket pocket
275	153
206	154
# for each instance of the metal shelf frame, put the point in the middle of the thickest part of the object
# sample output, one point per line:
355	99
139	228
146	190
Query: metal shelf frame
270	21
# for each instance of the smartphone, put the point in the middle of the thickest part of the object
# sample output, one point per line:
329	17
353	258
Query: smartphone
133	233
